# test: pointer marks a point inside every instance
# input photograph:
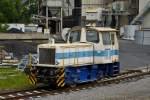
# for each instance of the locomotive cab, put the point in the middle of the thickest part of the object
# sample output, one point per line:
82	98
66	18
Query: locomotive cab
102	39
89	54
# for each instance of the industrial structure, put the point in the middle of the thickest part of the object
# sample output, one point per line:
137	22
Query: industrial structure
53	14
144	14
50	14
113	13
142	35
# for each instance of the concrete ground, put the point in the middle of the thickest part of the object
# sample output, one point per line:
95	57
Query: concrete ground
138	90
133	55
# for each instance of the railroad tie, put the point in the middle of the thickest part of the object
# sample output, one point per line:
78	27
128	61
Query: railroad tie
2	97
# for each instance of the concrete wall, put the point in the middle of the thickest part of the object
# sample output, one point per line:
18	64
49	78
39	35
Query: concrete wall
142	4
53	3
146	22
23	36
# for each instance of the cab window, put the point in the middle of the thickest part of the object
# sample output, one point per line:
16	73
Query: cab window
74	36
92	36
108	38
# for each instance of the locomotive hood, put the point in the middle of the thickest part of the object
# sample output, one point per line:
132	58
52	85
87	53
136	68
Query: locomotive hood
65	54
49	45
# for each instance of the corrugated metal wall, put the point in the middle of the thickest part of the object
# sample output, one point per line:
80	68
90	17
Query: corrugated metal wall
143	37
92	1
91	4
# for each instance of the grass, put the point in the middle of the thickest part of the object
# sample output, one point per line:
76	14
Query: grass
12	79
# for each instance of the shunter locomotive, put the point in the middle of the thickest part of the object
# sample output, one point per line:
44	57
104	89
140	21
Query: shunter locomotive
89	54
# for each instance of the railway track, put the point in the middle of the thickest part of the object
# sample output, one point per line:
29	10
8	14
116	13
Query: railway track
38	93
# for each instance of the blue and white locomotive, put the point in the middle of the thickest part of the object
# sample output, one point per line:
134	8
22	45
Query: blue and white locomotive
90	54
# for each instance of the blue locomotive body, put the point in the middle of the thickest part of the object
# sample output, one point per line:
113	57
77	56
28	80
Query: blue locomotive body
90	72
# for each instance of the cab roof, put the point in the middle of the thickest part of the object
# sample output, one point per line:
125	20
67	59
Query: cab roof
105	29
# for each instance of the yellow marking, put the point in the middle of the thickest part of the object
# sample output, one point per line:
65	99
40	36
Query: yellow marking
31	80
62	76
34	77
63	85
60	82
61	70
31	76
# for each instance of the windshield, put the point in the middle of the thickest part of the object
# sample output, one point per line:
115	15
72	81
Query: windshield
74	36
92	36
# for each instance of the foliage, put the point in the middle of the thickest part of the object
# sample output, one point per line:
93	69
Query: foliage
15	11
3	28
32	6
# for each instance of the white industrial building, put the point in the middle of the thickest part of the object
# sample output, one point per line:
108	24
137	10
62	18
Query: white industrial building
142	36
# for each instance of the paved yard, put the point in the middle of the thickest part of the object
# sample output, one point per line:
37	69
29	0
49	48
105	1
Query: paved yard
133	55
138	90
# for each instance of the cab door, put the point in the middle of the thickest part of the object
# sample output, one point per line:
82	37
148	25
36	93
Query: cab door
93	36
108	46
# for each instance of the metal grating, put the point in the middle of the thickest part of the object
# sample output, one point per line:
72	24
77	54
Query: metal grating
47	56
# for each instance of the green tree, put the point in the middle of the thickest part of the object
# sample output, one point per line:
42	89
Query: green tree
3	28
15	11
32	5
